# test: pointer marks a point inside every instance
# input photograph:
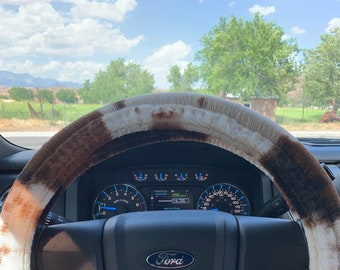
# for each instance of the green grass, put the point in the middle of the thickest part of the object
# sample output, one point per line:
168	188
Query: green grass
56	112
70	112
287	115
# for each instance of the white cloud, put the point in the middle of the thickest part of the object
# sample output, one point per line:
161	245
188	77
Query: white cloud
34	32
262	10
23	2
231	4
333	23
38	29
160	61
298	31
78	71
16	66
112	11
28	20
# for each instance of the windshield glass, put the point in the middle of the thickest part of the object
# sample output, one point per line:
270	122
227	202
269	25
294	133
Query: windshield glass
62	59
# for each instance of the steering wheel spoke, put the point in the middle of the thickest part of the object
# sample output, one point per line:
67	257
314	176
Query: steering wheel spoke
188	239
74	245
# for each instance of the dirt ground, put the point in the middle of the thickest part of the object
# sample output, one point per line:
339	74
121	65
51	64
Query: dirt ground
28	125
43	125
313	127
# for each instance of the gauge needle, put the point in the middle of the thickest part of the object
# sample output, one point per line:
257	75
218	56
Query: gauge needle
109	208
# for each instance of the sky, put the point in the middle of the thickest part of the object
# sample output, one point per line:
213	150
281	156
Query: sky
71	40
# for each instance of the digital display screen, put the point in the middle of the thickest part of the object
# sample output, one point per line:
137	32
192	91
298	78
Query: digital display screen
171	199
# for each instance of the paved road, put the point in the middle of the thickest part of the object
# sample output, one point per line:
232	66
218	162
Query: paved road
317	134
34	140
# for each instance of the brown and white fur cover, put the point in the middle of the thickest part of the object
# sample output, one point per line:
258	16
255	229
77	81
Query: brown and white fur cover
154	118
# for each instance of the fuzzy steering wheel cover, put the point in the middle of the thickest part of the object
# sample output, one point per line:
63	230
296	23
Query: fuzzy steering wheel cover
154	118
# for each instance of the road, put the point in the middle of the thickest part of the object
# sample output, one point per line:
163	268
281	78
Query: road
35	140
32	140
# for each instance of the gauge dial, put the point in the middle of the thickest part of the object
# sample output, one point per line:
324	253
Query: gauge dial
118	199
224	197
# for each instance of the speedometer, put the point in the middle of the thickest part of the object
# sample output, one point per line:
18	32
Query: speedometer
224	197
118	199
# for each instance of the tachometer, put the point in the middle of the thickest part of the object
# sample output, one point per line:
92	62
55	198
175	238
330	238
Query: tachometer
118	199
224	197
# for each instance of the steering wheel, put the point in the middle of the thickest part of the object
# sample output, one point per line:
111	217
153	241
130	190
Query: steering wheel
165	239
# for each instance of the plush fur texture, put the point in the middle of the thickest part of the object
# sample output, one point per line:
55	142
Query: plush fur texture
167	117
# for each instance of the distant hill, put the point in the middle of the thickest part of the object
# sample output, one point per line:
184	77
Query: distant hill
10	79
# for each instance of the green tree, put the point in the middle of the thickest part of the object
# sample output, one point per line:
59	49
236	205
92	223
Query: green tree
248	58
85	92
175	78
66	96
46	95
21	93
185	81
120	80
322	70
137	80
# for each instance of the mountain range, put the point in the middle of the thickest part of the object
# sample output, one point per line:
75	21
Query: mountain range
10	79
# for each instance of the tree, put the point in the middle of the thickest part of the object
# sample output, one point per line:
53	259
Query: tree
137	80
46	95
248	58
85	92
120	80
175	78
322	70
20	93
66	96
185	81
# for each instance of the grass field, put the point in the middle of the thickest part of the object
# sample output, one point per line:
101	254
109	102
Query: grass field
288	115
16	115
61	112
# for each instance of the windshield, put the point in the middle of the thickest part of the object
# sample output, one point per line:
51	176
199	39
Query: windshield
62	59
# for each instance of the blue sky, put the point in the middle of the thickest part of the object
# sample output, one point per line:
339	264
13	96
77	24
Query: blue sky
71	40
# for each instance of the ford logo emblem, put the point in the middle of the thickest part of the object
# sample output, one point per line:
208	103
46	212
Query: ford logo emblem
170	259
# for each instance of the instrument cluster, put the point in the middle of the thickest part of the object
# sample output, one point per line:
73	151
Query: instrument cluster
169	176
171	188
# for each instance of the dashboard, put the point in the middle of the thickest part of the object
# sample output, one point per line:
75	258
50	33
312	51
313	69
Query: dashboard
167	176
170	176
